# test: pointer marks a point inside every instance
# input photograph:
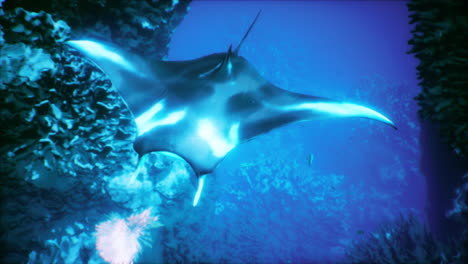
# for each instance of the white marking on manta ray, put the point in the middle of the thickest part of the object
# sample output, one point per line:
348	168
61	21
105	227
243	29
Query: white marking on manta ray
219	145
170	119
203	75
229	67
98	50
146	116
341	109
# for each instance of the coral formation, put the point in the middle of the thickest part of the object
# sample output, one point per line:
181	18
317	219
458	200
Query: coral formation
460	204
54	103
406	240
403	241
142	27
118	240
439	42
65	132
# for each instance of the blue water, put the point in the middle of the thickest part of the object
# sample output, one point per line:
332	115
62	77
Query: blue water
304	192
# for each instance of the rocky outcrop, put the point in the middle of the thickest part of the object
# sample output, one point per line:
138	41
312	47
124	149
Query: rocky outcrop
439	42
66	134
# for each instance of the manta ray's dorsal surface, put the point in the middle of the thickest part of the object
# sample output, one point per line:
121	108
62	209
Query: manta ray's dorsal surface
201	109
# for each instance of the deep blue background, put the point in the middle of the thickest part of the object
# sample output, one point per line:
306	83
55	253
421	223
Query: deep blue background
363	173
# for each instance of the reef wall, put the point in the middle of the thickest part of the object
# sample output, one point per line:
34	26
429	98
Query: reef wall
439	42
66	134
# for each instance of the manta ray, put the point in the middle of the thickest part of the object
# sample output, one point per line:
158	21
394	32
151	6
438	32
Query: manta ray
200	109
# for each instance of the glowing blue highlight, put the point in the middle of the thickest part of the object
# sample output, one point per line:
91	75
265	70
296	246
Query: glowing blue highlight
234	134
201	183
172	118
147	121
98	50
203	75
219	145
146	116
229	67
343	110
171	155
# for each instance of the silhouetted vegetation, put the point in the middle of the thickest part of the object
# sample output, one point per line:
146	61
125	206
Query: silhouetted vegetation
439	42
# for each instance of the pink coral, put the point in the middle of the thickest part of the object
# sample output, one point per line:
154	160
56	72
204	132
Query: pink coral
117	240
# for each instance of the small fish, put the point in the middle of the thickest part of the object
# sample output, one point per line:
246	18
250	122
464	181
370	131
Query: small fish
360	232
311	159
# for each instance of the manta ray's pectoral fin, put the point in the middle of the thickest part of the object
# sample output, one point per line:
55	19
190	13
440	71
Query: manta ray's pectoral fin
201	183
307	107
280	107
331	109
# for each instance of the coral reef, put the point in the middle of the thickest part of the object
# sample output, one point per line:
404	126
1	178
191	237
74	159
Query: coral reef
142	27
403	241
118	240
406	240
66	134
439	42
460	204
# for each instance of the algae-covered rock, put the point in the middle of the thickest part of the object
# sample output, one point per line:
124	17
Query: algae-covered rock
143	27
36	28
21	63
439	42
